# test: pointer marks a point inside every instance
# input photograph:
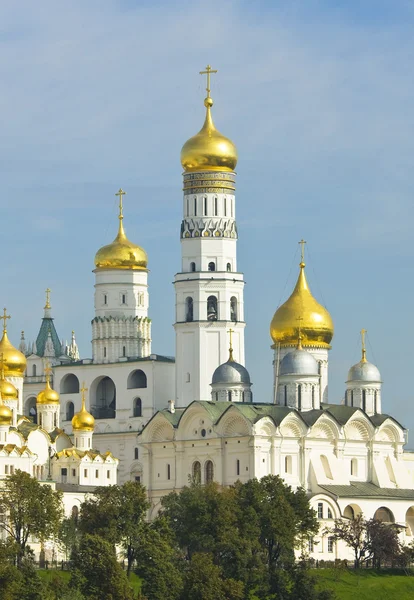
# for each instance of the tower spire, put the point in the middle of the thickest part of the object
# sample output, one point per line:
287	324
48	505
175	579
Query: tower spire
47	305
364	351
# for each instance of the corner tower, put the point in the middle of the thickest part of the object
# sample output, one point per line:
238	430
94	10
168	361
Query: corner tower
121	327
209	288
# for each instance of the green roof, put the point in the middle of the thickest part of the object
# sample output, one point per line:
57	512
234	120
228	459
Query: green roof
360	489
46	326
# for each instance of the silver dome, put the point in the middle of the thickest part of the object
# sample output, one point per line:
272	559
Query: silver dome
364	371
299	362
231	372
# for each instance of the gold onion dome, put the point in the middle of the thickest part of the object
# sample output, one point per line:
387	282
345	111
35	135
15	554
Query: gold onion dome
316	326
83	420
14	361
48	395
6	415
121	254
7	390
208	150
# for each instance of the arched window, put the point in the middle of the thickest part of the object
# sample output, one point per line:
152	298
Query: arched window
313	396
299	397
349	512
233	309
215	207
326	467
103	401
69	384
205	206
384	514
31	410
228	267
288	465
75	513
197	472
352	397
212	308
34	369
211	266
189	311
195	206
137	379
136	453
70	411
105	299
209	471
217	396
237	467
354	467
230	396
225	207
137	407
375	402
123	351
192	267
364	400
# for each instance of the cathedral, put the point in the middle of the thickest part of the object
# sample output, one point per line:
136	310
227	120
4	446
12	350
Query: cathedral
194	417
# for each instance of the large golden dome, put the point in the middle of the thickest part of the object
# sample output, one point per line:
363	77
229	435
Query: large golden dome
14	361
316	326
121	254
48	395
208	150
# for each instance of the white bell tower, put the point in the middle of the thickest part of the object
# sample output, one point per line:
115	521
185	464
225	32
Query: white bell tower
209	288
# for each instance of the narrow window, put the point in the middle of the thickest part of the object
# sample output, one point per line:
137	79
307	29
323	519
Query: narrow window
228	267
209	471
105	299
237	467
188	207
211	266
320	510
299	397
215	207
330	544
205	206
288	465
285	395
6	469
329	514
233	309
189	309
197	472
123	298
230	396
375	403
313	396
364	400
352	397
192	267
188	378
354	467
243	396
225	207
34	370
105	352
346	397
85	472
96	473
217	396
137	407
311	545
73	472
168	471
212	314
195	206
108	474
138	478
123	351
136	453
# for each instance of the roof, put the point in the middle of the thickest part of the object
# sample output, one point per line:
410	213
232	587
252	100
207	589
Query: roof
9	448
76	453
87	362
46	326
360	489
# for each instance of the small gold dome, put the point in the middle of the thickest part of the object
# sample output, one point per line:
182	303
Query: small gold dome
14	360
48	395
316	326
209	150
6	415
7	390
83	420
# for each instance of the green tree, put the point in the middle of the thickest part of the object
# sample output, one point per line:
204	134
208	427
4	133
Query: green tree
96	571
384	544
116	513
10	576
68	536
204	580
158	562
29	508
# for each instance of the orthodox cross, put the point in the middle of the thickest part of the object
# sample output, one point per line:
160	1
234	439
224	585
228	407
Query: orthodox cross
4	318
302	250
83	390
230	332
48	371
47	305
299	319
364	351
208	72
120	193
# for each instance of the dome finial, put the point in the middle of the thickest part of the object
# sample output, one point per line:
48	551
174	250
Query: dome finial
5	317
48	371
302	253
230	332
47	305
364	351
208	72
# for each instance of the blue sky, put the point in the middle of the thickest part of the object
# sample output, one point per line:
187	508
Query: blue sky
318	97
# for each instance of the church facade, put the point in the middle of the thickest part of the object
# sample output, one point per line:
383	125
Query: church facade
194	417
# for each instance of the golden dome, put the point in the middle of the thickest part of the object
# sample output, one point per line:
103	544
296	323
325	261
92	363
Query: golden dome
316	326
48	395
121	254
14	361
83	420
7	390
6	415
208	150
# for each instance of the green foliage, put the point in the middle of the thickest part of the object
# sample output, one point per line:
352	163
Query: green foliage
116	513
366	584
204	581
158	563
97	573
68	536
30	509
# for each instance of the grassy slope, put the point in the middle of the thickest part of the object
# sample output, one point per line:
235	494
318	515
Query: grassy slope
367	584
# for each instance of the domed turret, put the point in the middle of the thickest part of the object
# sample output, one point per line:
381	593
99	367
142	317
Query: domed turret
83	420
208	150
48	395
121	254
14	360
316	322
231	380
363	386
299	362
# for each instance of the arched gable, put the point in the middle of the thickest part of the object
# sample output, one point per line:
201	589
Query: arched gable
292	426
194	418
328	502
359	428
325	428
265	427
389	431
159	430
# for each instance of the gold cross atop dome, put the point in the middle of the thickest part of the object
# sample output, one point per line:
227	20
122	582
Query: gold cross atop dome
48	371
364	351
230	332
302	252
120	193
47	305
4	318
83	390
208	72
